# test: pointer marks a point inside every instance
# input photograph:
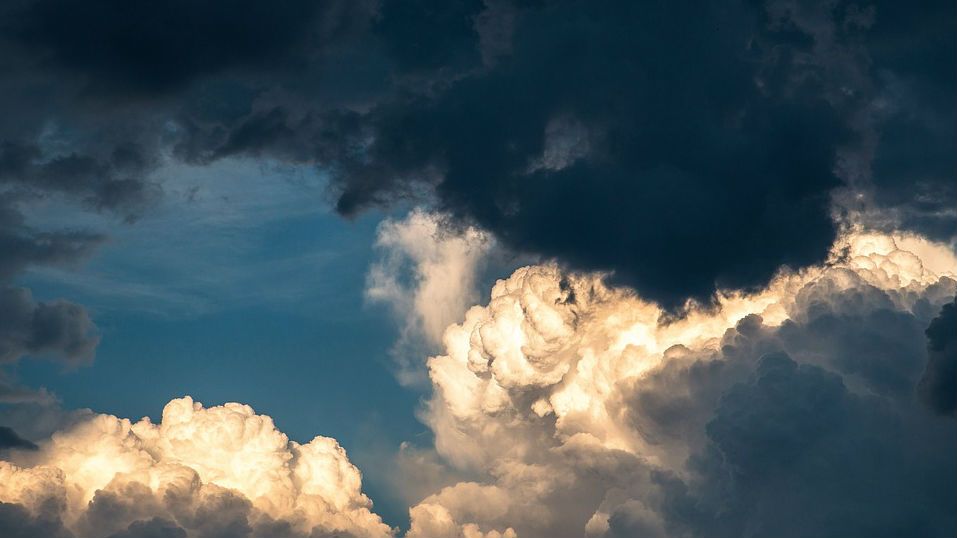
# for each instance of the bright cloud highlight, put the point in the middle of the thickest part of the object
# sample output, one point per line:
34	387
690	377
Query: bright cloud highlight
218	471
579	411
565	408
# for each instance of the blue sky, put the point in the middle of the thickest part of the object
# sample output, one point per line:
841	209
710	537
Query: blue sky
241	286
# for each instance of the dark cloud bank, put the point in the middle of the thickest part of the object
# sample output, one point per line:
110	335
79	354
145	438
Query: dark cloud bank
682	146
814	428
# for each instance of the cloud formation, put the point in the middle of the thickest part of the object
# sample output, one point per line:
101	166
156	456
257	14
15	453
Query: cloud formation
685	148
60	328
568	407
10	439
713	152
427	275
938	386
578	408
200	472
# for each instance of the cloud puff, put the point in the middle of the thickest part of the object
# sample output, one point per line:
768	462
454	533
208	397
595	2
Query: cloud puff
567	407
938	386
60	328
219	471
428	275
577	408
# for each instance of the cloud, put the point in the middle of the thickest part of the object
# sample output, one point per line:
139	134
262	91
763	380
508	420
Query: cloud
60	329
938	386
427	275
218	471
10	439
578	408
605	138
569	407
610	140
562	149
705	152
118	52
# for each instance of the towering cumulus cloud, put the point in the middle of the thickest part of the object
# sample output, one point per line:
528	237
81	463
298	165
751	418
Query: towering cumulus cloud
789	412
223	471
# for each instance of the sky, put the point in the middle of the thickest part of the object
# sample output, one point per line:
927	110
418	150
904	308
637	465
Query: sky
477	269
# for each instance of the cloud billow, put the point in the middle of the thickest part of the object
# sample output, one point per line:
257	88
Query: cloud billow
684	148
938	385
572	410
671	168
735	154
201	472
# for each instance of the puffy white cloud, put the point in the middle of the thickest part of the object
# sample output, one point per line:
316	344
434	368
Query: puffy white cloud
427	275
581	409
199	472
565	408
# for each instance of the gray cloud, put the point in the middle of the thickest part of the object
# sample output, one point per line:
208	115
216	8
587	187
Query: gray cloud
747	134
573	409
938	386
789	448
17	522
59	329
10	439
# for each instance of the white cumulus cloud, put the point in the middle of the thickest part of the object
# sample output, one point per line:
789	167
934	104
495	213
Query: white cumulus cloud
427	275
565	407
218	471
581	409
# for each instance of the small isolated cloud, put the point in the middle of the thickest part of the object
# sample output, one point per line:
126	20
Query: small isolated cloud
59	329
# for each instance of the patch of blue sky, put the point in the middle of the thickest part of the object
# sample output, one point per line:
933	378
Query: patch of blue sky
240	285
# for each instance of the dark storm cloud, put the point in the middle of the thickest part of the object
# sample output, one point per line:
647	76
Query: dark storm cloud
938	386
17	522
793	432
683	147
793	453
914	55
152	528
10	439
610	140
125	49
